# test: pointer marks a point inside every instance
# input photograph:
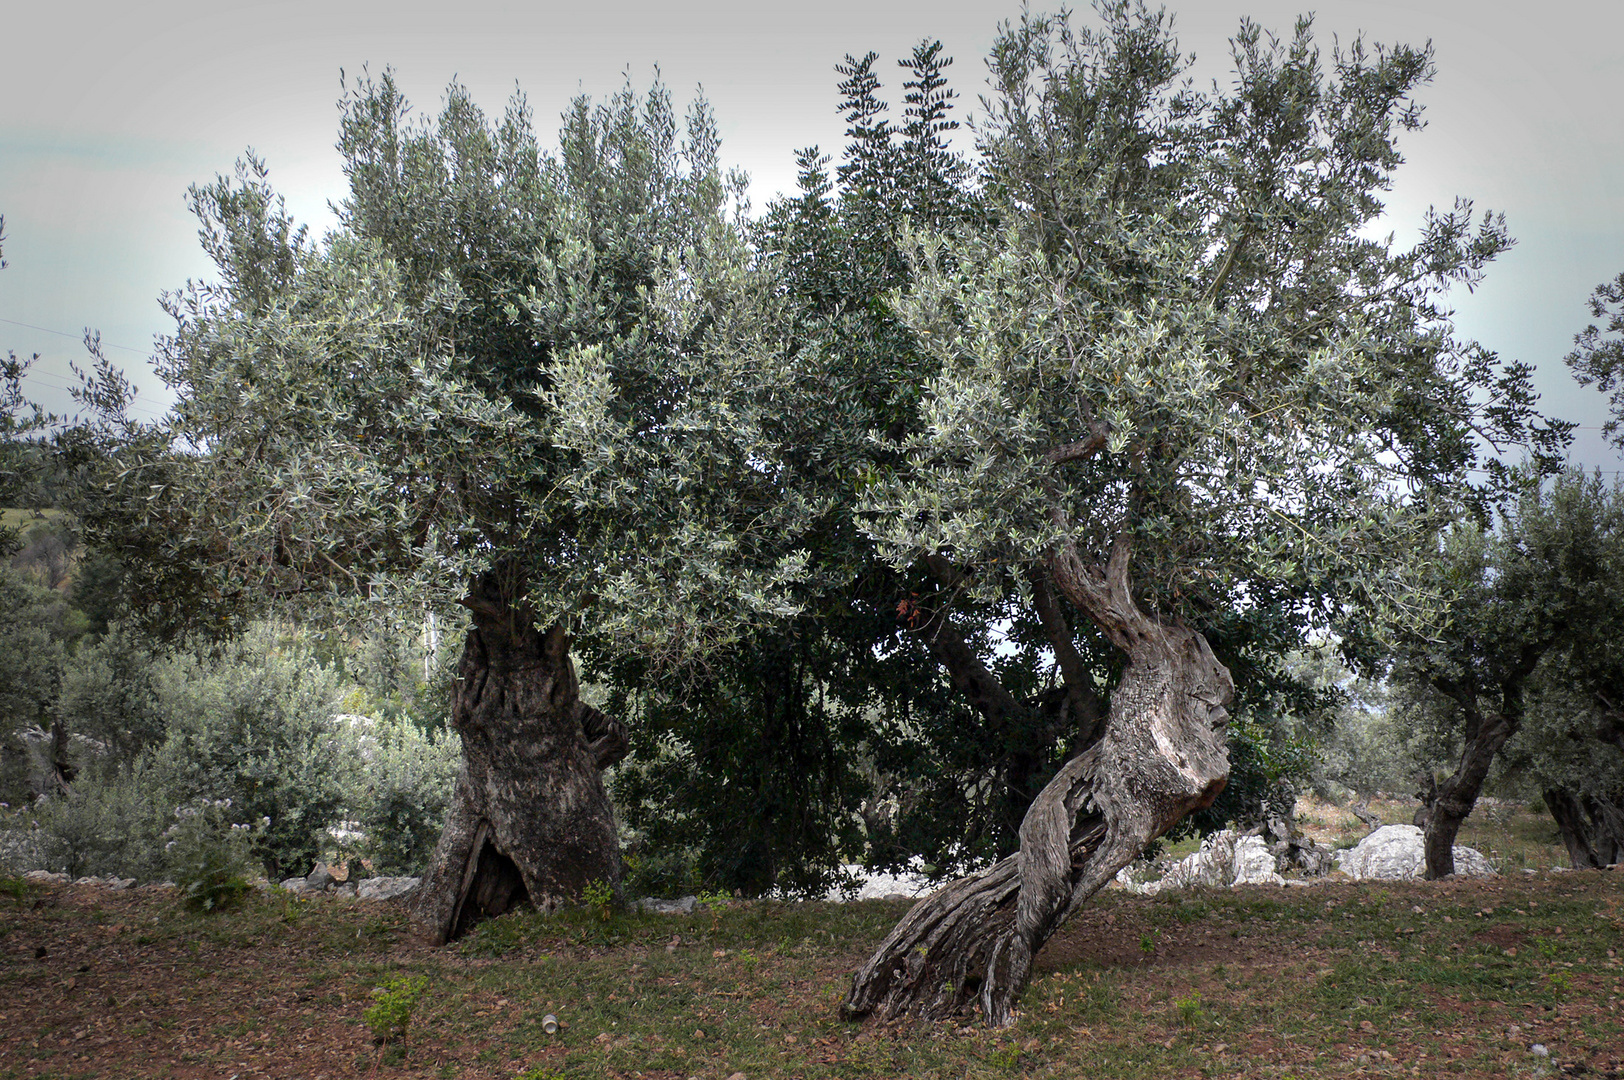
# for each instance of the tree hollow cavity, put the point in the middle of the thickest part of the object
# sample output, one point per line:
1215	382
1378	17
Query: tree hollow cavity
492	886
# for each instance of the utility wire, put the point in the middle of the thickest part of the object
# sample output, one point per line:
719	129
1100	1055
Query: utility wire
76	337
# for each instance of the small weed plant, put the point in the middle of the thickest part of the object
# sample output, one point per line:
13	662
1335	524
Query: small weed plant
208	856
1005	1057
390	1014
599	895
1189	1009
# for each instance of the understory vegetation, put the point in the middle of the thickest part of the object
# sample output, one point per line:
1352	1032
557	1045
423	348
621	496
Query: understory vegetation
317	746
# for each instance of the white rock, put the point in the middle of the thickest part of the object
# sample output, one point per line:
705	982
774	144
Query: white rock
385	888
1397	853
883	886
1254	865
45	877
1225	858
681	906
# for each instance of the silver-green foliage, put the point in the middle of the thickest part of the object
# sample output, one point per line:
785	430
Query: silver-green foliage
1179	338
401	793
502	357
107	694
31	632
1598	354
1556	570
109	822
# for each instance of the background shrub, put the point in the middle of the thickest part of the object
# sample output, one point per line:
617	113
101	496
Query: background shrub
110	822
401	795
252	723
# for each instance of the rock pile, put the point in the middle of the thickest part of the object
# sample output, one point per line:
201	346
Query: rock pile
1225	858
321	880
111	881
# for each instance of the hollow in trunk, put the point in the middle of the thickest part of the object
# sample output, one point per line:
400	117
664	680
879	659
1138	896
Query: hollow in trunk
530	822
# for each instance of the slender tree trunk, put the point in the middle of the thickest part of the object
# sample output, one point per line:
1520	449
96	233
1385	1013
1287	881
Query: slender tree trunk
1445	805
1592	828
971	944
530	822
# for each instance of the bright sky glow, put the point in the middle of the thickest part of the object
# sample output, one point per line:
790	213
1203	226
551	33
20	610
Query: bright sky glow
110	111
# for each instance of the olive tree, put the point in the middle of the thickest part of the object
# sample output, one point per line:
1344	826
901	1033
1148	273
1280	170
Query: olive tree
517	380
1175	378
1598	352
1526	673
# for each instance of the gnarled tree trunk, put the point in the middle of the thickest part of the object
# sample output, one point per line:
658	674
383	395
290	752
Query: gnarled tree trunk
1592	828
972	943
530	822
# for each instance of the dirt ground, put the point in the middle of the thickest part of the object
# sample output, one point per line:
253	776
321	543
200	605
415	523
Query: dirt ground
96	982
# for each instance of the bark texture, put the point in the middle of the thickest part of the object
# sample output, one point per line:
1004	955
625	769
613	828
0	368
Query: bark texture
971	944
530	822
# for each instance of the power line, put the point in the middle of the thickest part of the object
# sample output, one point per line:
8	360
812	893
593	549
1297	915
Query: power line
76	337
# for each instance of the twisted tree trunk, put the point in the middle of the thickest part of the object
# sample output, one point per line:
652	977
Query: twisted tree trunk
530	822
971	944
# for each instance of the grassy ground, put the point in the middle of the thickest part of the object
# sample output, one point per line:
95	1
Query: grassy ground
1329	980
14	518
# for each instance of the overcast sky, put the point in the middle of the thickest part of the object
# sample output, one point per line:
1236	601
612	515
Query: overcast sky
109	112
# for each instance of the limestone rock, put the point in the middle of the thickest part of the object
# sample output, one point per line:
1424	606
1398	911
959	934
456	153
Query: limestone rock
45	877
1396	853
682	906
1225	858
320	877
385	888
862	884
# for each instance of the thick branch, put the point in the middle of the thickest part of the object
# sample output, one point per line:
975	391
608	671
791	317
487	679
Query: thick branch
1087	710
1081	449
